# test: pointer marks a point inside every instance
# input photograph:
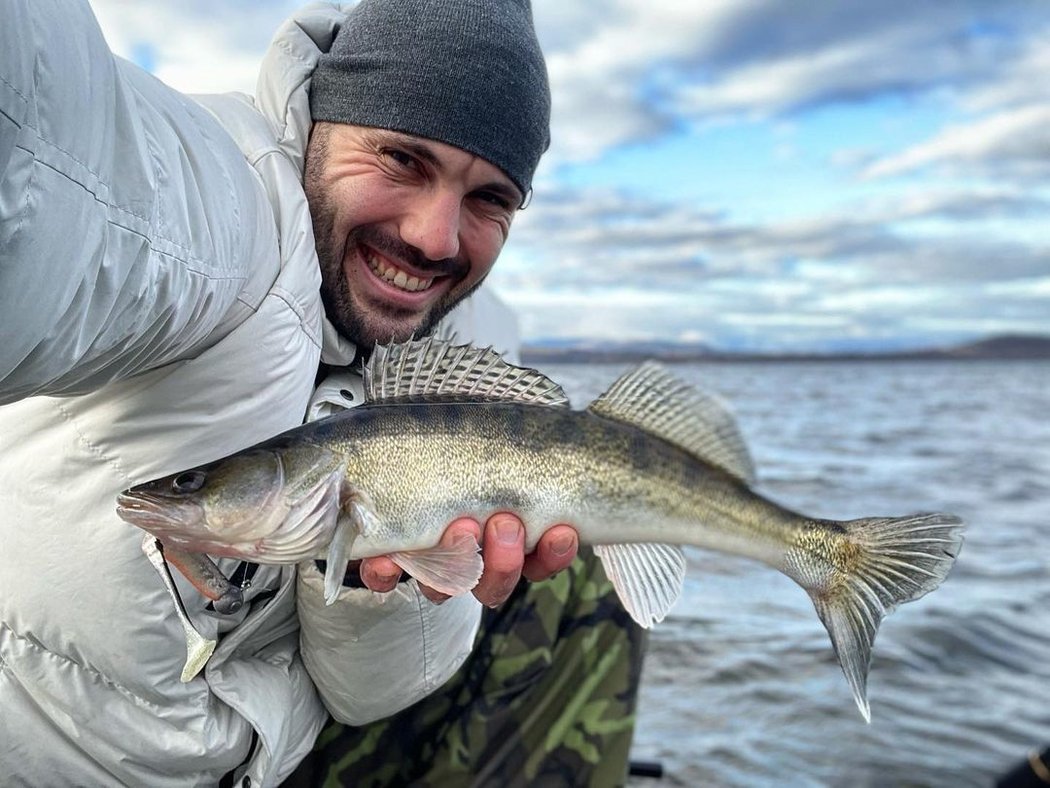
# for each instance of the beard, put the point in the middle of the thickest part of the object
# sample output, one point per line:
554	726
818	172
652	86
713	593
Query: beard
363	323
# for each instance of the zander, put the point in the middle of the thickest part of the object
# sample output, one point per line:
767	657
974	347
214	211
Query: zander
449	431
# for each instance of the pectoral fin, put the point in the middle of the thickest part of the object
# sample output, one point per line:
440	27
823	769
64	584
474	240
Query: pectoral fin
647	577
357	516
338	558
452	569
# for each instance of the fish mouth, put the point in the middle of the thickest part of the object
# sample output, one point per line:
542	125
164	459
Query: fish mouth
157	513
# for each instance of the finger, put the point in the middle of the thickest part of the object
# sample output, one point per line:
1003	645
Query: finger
503	550
434	596
554	552
379	573
464	525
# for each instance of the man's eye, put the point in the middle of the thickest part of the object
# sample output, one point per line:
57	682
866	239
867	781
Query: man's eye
402	158
493	199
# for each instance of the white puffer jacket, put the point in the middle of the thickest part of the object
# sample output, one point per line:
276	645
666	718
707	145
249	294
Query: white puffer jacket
159	308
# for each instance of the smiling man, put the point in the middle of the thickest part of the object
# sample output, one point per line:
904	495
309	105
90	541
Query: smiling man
405	227
182	278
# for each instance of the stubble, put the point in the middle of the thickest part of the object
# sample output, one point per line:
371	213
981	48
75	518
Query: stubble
366	324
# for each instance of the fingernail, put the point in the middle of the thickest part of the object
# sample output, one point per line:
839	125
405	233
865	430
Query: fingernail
507	531
562	545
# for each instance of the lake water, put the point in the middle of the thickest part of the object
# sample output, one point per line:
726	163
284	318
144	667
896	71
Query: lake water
741	686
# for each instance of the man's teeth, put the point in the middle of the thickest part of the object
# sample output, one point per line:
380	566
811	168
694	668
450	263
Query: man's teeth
397	277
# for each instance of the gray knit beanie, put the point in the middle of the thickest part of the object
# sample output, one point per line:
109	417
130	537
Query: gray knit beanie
465	72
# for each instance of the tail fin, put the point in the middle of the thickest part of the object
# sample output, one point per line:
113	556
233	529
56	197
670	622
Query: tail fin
901	559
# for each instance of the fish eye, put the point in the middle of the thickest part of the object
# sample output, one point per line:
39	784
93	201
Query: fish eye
188	482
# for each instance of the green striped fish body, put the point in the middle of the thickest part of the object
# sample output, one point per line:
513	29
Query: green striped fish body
448	431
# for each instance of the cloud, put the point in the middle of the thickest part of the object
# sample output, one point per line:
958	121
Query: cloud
1019	81
624	72
964	204
886	269
636	70
1013	143
595	236
195	46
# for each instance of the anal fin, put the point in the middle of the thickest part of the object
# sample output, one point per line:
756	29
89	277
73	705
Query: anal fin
647	577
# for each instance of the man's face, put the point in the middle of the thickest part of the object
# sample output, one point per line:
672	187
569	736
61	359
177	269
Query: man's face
405	228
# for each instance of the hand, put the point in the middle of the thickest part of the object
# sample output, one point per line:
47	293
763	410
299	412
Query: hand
503	551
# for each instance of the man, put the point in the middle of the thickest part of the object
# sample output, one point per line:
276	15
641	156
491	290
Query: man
163	301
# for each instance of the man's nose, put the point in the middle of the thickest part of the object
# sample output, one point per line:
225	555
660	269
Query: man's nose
432	224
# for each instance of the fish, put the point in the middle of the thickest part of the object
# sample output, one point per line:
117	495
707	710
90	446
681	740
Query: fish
450	430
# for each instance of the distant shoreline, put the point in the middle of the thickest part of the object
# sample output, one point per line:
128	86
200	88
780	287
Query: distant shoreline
1004	348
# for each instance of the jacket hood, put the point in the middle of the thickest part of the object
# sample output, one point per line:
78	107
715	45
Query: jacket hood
282	95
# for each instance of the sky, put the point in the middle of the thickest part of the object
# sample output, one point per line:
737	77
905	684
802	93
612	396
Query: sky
753	175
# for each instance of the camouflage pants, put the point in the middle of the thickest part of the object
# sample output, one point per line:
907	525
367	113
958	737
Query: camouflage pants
547	698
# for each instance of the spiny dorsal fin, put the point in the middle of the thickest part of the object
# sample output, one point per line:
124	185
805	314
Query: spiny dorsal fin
653	399
435	369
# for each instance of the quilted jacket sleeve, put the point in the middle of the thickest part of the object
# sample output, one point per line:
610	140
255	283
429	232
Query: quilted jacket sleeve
132	233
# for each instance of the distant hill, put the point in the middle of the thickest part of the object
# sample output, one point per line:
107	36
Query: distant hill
1006	346
597	352
589	351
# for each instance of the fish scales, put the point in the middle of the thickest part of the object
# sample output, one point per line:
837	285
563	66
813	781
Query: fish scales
604	477
449	431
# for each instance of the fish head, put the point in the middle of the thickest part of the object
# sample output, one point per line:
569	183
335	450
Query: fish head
236	498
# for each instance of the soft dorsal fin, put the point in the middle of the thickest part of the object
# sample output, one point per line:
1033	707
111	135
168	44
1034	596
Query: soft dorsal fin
435	369
654	400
